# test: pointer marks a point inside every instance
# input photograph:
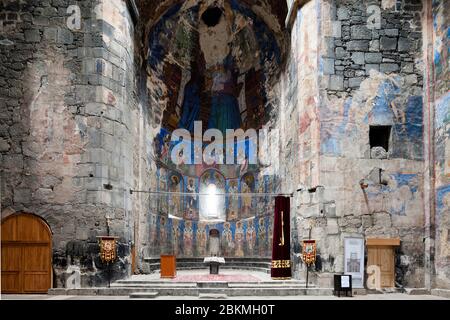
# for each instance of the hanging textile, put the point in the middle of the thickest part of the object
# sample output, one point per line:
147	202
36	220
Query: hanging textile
281	247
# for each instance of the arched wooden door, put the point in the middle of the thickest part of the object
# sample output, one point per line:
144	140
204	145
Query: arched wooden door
26	254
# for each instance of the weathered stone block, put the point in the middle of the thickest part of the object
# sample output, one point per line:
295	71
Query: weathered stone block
332	226
329	47
355	82
378	153
336	83
366	221
328	66
389	67
411	79
404	44
407	67
32	36
360	32
388	43
4	145
358	45
382	219
369	67
391	32
358	57
40	21
372	57
336	29
50	34
65	36
22	195
374	45
341	53
343	13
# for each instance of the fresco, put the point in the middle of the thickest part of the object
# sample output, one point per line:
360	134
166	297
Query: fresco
185	238
211	74
176	184
232	204
441	46
381	100
400	195
443	220
440	67
247	186
191	201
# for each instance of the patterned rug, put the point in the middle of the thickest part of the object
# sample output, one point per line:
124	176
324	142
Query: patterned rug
215	277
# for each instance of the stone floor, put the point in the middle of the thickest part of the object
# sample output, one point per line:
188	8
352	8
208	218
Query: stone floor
389	296
202	275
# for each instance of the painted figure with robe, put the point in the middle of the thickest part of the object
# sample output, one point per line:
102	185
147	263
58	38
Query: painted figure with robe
225	90
247	186
227	239
239	239
191	200
175	236
188	239
201	239
175	184
250	238
262	240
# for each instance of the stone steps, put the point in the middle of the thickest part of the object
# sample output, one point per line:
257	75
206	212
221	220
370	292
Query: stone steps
222	288
149	288
211	285
143	295
194	291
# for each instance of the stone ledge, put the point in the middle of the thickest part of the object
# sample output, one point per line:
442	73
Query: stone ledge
143	295
445	293
417	291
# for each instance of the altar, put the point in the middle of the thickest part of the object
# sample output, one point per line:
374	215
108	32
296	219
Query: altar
214	263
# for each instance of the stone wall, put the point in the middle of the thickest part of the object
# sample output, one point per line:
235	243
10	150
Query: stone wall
381	71
296	120
367	76
73	136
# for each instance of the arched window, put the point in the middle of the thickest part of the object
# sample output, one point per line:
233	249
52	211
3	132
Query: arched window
212	200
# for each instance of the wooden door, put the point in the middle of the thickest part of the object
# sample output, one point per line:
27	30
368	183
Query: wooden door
26	245
383	257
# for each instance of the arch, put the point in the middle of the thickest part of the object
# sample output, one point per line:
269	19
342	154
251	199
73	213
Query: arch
212	177
26	244
214	233
214	243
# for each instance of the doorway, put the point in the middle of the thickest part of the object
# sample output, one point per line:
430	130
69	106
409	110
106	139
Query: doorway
381	252
214	243
26	244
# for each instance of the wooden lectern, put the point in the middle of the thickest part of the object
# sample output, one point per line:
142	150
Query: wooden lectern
168	266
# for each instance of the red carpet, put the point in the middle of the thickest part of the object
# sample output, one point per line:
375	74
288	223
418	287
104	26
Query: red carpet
216	277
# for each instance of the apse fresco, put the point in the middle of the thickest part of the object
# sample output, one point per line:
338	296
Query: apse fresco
177	201
215	62
243	238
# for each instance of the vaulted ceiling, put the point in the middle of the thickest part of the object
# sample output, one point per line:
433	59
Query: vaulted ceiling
273	12
246	37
